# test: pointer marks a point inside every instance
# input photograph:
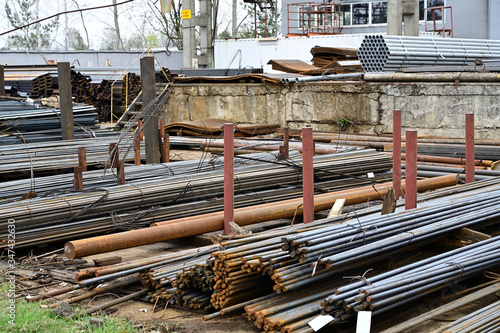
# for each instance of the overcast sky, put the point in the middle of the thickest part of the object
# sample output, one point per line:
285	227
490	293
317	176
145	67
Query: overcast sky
131	18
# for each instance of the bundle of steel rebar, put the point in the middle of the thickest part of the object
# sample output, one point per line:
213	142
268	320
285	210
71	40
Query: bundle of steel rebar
379	53
142	218
388	290
20	116
98	178
41	156
63	208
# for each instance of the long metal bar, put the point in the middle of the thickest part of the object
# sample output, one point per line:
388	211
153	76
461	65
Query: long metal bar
396	152
228	177
308	174
469	147
411	170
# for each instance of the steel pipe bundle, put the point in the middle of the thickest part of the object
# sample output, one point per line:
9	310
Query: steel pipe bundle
388	290
379	53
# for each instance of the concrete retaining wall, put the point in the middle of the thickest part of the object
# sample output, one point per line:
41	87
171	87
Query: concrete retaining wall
430	108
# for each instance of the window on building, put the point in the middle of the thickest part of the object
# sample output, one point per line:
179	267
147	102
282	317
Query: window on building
345	15
379	12
437	13
360	13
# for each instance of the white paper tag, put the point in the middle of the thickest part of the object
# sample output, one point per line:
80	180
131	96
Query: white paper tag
320	321
370	174
364	322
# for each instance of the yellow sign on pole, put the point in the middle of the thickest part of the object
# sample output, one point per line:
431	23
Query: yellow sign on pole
186	14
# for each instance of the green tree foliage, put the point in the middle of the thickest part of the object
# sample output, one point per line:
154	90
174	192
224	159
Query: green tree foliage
75	40
34	37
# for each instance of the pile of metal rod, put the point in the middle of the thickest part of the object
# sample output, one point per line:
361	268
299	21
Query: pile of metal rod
484	320
388	290
379	53
34	85
120	221
99	178
41	156
63	208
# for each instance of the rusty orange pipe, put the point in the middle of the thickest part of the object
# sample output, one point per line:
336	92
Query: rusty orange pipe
196	225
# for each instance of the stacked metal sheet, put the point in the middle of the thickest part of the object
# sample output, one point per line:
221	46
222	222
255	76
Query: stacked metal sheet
379	53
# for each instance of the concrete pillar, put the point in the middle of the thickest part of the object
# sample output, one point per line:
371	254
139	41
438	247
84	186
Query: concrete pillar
410	17
151	121
205	23
65	100
394	17
188	37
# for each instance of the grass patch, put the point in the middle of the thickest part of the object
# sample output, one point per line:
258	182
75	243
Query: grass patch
31	317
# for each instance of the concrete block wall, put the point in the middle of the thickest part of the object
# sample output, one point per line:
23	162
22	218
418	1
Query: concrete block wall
430	108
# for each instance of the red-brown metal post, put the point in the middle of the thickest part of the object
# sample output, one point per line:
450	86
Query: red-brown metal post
2	81
78	178
469	147
308	174
162	143
113	153
166	148
228	176
140	127
411	170
284	150
120	174
396	152
137	151
82	158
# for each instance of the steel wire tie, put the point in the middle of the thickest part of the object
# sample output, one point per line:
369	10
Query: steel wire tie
360	277
142	193
31	212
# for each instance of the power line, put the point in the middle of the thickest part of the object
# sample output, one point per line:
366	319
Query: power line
62	13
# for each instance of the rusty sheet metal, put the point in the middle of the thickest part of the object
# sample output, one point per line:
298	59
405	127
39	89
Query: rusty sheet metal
246	78
292	66
214	127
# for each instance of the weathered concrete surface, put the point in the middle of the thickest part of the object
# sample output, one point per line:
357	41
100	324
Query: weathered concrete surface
430	108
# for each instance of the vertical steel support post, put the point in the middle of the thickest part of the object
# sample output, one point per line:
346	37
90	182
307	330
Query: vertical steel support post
162	143
137	151
65	100
148	95
78	178
82	158
396	152
308	174
2	81
411	170
166	148
284	149
140	125
228	176
120	173
469	148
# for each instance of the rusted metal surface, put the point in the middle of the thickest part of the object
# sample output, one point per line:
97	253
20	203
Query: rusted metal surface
212	222
82	158
411	170
308	174
396	152
78	178
228	176
469	147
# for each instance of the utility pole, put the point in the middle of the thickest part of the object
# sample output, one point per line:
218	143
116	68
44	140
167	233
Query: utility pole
394	17
235	19
189	22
